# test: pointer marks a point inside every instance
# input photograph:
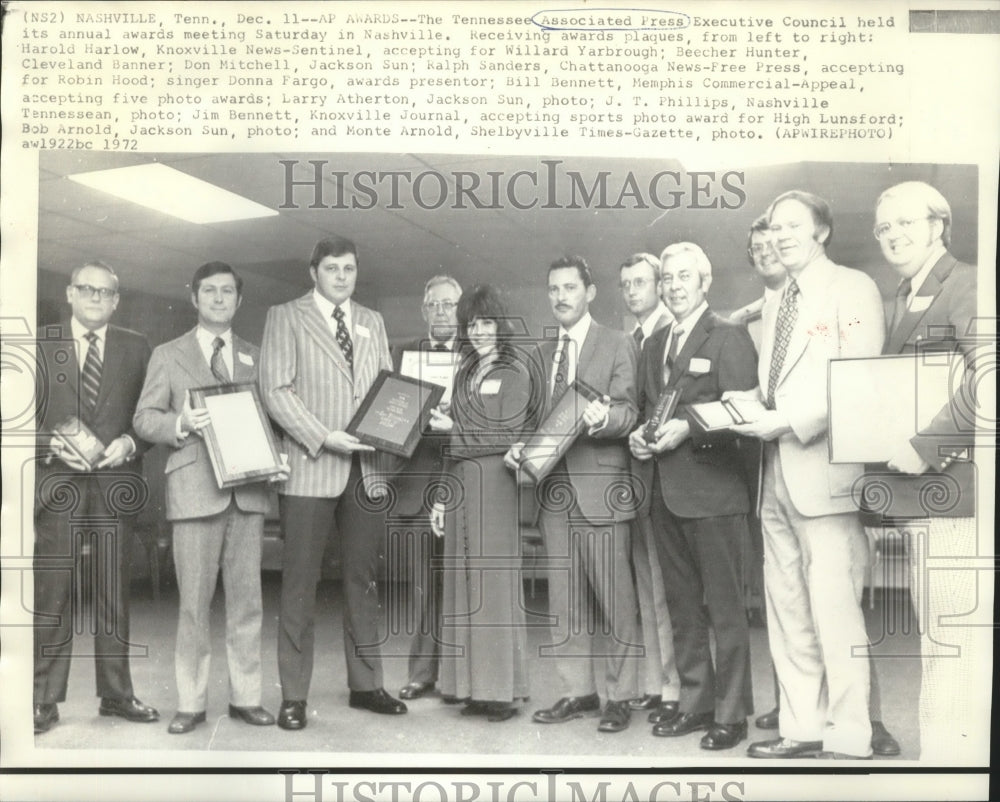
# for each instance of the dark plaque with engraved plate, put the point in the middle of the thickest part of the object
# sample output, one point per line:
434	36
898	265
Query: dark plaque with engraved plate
77	437
394	413
662	412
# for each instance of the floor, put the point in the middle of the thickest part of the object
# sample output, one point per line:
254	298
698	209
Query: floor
430	729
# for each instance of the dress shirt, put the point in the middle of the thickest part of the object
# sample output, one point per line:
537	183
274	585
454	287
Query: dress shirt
80	332
649	326
917	280
577	334
326	307
685	326
206	341
432	344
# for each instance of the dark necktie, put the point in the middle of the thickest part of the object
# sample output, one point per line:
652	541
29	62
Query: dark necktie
668	364
788	312
899	309
344	337
560	379
638	336
440	347
91	375
218	364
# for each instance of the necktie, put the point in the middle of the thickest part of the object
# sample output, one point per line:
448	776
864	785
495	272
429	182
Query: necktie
788	311
218	364
560	379
440	347
668	364
344	337
638	336
91	376
902	298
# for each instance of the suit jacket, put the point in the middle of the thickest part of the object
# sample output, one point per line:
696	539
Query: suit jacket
751	316
126	354
598	464
309	390
948	489
839	315
427	462
175	368
703	476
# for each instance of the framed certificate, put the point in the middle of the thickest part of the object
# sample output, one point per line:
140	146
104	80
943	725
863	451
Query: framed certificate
239	439
436	367
557	433
395	413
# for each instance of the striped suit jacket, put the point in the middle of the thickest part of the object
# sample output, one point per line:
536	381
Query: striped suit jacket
309	390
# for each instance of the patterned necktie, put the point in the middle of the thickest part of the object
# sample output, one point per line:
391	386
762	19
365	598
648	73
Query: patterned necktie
218	364
668	364
344	337
560	379
638	336
91	375
902	299
788	311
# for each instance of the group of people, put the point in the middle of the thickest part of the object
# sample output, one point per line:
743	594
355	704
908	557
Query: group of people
645	522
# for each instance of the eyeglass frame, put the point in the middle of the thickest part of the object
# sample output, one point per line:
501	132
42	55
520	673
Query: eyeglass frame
104	293
903	224
439	306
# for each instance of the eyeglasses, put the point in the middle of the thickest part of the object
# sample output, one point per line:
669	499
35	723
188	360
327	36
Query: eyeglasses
104	293
439	306
903	224
638	283
760	247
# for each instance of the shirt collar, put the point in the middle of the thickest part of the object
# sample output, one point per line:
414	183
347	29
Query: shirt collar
432	343
649	327
691	320
578	331
921	275
769	293
80	331
326	307
207	338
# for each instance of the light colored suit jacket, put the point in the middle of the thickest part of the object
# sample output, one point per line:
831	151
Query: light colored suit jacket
310	391
174	368
839	315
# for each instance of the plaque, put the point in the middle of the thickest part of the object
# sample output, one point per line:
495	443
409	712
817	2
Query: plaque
436	367
558	432
78	437
240	442
662	412
395	413
715	415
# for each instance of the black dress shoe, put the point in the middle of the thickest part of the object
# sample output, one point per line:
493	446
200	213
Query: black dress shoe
475	708
45	715
665	713
782	748
131	709
448	699
567	709
647	701
615	718
683	724
841	756
377	701
724	736
256	715
292	715
500	711
883	744
185	722
768	721
414	690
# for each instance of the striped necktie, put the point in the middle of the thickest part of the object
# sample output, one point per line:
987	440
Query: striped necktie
344	337
218	364
91	374
788	312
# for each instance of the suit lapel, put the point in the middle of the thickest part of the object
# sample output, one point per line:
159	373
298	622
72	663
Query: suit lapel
655	350
929	289
586	354
696	339
192	360
362	344
547	350
110	368
242	371
316	327
809	309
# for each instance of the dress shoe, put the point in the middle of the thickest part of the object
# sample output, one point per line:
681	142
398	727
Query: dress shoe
414	690
45	715
615	718
567	709
683	724
724	736
448	699
292	715
185	722
256	715
779	748
131	709
500	711
768	721
377	701
647	701
883	744
841	756
665	713
475	708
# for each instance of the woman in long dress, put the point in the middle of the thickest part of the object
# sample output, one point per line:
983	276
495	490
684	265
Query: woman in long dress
483	621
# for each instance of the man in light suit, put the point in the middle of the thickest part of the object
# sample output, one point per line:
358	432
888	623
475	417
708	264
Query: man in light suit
587	540
639	279
97	381
212	528
815	550
699	501
320	355
441	294
929	483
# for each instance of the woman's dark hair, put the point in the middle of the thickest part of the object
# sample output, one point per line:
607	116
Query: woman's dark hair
484	302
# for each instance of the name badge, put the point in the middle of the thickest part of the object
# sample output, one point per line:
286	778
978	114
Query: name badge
699	365
489	387
362	331
246	359
921	302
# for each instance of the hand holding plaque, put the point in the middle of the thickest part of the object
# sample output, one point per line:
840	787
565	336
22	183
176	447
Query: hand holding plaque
394	413
76	444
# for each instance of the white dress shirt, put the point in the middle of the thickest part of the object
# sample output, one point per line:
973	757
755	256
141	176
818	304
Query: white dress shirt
649	326
326	307
921	275
206	341
577	334
685	329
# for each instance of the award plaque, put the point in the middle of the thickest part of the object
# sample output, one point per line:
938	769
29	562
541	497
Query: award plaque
79	438
557	433
662	412
436	367
715	415
394	413
240	442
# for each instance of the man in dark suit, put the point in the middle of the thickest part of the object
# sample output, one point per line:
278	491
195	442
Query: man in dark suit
212	528
587	540
106	365
699	501
441	294
929	484
320	355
